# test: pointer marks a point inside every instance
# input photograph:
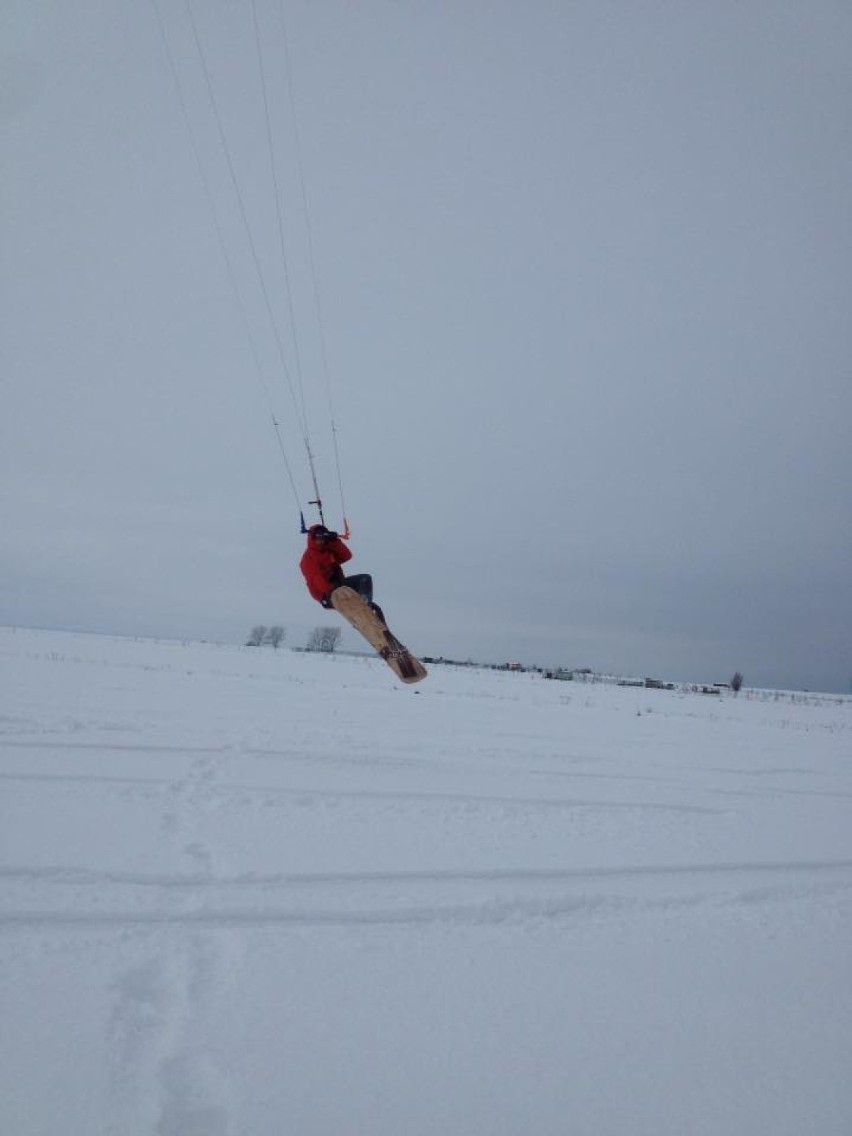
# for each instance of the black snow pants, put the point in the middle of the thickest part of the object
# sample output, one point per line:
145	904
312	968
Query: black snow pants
362	584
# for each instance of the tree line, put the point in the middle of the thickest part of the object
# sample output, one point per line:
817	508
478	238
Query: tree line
321	638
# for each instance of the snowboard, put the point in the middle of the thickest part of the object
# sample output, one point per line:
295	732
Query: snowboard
357	611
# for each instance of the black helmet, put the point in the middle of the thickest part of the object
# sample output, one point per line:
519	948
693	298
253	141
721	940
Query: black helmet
320	532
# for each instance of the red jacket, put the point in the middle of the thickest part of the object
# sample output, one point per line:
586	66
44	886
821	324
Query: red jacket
321	564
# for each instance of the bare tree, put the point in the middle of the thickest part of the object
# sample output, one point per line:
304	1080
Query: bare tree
736	682
324	639
256	636
275	636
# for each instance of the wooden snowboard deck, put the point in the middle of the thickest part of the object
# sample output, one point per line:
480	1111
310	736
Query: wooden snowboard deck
356	611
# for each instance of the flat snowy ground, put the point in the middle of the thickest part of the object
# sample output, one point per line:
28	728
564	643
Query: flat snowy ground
255	893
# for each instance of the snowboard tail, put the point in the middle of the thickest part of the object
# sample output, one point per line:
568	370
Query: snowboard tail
356	611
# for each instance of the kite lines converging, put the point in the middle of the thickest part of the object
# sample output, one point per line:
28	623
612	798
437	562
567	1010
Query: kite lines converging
239	237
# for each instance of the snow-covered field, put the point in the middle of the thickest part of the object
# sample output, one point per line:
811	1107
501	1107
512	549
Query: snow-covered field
260	893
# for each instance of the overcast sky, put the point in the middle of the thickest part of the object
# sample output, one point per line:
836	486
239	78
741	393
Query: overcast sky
584	270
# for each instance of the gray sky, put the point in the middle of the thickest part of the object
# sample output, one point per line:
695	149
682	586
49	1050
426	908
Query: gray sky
584	271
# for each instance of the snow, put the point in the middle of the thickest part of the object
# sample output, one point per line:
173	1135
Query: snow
257	892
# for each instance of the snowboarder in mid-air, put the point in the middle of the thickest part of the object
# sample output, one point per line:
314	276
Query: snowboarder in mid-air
352	598
322	568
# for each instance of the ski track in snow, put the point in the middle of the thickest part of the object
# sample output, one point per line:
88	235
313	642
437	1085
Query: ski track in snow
452	896
160	1005
167	808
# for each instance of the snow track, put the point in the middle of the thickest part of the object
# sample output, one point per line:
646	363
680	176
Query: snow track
397	898
246	891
